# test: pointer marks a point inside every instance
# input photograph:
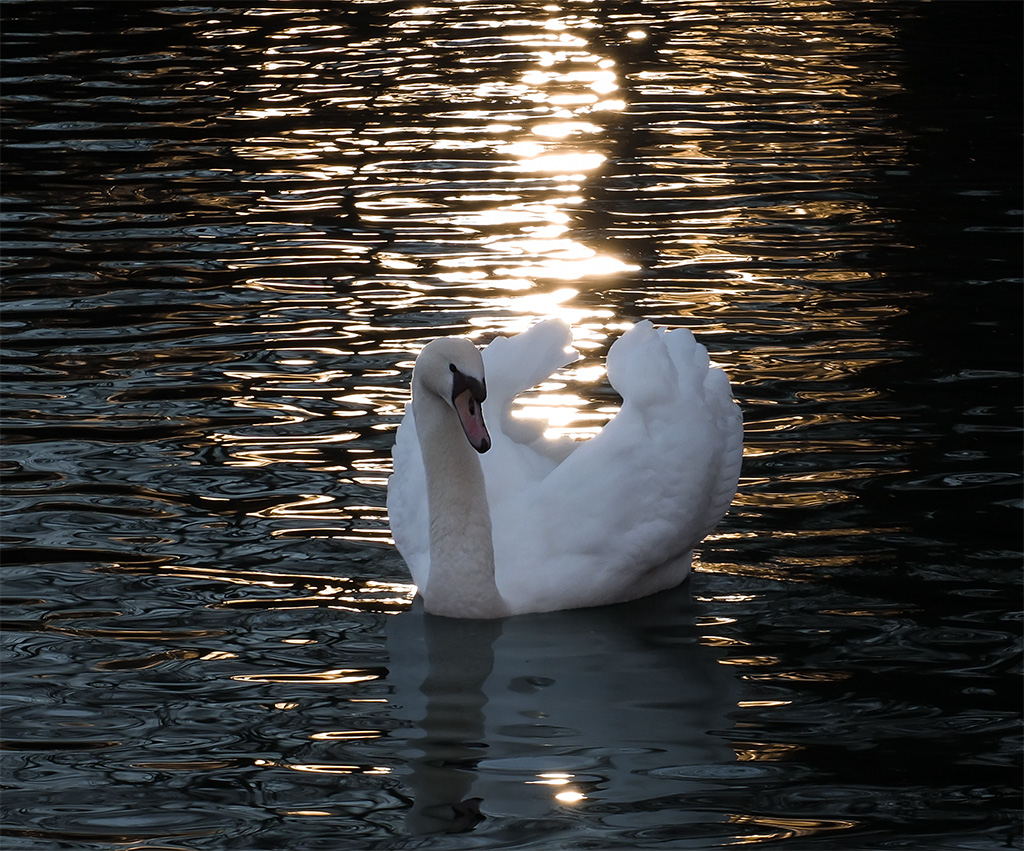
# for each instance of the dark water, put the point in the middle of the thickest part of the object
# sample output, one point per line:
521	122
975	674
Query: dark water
228	230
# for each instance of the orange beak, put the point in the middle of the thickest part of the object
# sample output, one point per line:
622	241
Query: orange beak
471	415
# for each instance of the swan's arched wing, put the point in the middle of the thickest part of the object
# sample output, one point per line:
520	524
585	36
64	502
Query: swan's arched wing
513	365
640	494
520	454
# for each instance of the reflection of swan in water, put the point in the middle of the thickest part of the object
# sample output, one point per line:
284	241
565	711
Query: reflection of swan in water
537	525
524	716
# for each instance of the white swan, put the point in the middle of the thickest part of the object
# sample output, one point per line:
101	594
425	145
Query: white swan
532	524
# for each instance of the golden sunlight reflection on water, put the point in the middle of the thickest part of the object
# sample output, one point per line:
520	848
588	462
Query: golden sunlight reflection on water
482	179
773	829
223	303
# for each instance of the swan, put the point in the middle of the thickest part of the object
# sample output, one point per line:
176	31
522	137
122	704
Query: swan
502	520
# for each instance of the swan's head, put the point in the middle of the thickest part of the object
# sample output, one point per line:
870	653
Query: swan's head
453	369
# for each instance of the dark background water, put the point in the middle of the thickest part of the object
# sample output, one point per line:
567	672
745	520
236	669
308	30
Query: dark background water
227	231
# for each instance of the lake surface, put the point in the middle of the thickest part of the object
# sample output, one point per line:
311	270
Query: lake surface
228	231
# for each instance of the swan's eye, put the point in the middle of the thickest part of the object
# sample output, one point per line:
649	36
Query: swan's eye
452	368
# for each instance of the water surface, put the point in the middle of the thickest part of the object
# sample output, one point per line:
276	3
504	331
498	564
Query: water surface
228	230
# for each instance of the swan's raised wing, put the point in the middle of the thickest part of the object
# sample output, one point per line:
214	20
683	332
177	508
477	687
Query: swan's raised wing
513	365
520	454
636	497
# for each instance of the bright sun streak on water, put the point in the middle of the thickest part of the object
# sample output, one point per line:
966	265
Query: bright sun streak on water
516	243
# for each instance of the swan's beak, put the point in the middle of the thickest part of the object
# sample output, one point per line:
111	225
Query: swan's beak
471	415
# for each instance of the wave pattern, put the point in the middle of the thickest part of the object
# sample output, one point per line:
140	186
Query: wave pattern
229	230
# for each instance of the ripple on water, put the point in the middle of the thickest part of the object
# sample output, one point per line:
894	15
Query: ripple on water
228	232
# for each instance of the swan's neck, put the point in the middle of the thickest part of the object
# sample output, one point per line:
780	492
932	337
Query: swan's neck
461	579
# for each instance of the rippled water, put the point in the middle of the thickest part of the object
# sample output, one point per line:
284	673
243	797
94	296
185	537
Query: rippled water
228	231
